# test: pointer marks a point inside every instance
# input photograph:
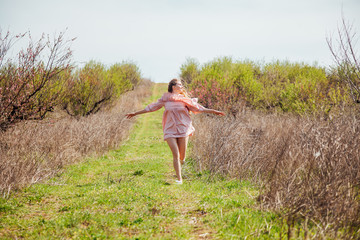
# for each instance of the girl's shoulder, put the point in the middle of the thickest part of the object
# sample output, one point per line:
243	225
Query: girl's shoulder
167	94
172	97
165	97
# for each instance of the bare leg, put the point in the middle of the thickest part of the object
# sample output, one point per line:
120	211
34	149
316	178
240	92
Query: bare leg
182	145
175	151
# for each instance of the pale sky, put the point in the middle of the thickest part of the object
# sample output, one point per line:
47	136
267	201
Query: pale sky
158	35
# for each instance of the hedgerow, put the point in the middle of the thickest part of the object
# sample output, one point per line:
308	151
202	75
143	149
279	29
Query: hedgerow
278	86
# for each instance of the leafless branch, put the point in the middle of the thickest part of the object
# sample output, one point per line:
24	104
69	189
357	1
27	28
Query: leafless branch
346	59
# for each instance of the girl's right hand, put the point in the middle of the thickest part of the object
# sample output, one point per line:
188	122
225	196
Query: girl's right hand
130	115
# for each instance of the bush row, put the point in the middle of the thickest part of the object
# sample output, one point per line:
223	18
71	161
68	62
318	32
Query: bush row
280	86
80	91
41	77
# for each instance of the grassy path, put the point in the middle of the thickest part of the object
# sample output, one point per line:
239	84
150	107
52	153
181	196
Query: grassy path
129	194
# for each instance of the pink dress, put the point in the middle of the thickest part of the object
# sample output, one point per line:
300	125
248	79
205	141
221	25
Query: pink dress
176	120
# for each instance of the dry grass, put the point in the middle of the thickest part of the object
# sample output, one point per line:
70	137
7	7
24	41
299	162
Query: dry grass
308	169
33	151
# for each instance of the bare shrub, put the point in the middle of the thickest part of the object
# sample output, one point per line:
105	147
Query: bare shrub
30	85
33	151
346	58
306	168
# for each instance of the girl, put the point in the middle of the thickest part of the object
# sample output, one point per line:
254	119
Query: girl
177	126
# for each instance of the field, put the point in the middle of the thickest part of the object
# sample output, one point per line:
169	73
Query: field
283	163
128	193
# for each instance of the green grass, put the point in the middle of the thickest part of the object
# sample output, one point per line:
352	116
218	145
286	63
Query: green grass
129	193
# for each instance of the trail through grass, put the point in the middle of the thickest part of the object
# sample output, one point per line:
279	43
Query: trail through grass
129	193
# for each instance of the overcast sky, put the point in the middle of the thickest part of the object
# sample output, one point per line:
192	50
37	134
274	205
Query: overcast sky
158	35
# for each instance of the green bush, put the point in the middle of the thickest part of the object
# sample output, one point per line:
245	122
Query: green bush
94	86
244	79
125	76
117	75
295	87
189	70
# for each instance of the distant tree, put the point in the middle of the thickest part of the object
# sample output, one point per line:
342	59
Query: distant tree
30	83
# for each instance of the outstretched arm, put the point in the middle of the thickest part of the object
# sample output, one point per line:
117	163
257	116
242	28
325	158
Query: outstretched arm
193	105
149	108
130	115
213	111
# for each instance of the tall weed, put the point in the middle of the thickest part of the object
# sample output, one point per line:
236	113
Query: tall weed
307	169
